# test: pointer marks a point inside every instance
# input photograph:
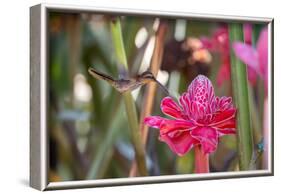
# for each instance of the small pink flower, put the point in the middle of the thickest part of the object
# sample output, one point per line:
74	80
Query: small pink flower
200	118
219	42
255	58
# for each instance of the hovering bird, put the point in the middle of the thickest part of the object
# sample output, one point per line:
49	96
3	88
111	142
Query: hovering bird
257	153
123	85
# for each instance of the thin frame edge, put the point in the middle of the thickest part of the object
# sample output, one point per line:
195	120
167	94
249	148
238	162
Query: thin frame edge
36	179
154	13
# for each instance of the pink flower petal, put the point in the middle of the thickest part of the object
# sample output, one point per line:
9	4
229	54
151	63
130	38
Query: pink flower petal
221	118
223	103
180	142
172	125
247	54
226	131
171	108
224	122
183	101
223	74
208	138
154	121
166	125
186	104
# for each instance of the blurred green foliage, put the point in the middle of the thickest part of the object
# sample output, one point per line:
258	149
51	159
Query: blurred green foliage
88	129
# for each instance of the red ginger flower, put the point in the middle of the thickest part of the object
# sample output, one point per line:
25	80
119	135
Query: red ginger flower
200	118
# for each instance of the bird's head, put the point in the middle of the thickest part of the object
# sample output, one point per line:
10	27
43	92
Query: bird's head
146	77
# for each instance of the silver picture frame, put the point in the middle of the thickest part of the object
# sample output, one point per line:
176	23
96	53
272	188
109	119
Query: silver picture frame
38	99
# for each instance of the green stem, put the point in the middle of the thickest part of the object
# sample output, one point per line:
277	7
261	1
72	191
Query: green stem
201	160
128	99
241	98
118	44
256	121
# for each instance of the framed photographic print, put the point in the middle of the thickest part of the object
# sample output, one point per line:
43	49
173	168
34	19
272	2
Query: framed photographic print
124	97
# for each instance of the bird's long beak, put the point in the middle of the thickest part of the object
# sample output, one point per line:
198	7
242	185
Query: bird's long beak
162	87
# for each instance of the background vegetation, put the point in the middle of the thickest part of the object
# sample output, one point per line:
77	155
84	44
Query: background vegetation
90	137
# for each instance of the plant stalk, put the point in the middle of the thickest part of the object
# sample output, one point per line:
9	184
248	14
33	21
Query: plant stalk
241	99
128	99
150	91
201	160
265	134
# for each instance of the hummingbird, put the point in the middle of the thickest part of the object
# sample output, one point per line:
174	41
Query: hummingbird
257	153
122	85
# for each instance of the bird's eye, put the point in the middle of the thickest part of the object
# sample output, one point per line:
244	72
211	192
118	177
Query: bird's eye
147	74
